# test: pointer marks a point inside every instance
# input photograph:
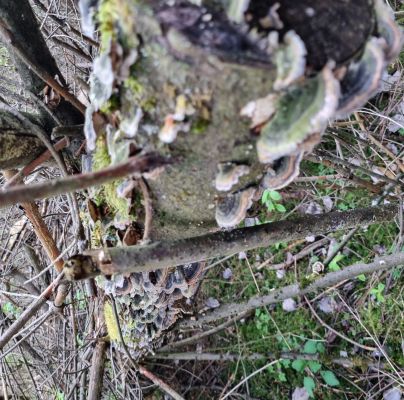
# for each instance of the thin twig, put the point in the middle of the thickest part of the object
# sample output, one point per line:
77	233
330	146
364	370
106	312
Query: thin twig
347	339
137	164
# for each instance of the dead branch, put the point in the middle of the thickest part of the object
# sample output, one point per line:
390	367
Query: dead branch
299	289
138	164
191	356
39	71
118	260
39	226
45	156
16	326
97	370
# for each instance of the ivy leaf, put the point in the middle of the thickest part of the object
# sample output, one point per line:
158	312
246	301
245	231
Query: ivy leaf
309	385
310	347
315	366
285	363
298	365
275	196
329	378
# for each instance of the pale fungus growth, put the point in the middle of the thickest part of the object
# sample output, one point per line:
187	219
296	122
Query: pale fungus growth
168	133
301	112
229	175
290	61
232	209
260	110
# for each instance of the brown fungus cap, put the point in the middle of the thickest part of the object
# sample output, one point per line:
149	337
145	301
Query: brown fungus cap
232	209
362	79
283	172
228	175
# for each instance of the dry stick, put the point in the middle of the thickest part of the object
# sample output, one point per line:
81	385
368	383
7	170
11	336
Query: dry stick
193	356
39	226
182	251
161	384
346	239
353	167
44	75
378	143
64	23
138	164
45	156
148	209
199	336
347	339
330	279
301	254
60	162
157	381
27	314
97	371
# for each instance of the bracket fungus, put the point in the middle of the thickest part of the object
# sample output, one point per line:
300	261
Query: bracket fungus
302	111
283	172
232	209
228	175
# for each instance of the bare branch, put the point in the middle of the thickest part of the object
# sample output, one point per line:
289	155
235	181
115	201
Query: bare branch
330	279
138	164
157	255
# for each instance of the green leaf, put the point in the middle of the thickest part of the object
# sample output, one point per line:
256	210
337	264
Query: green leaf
275	196
270	205
315	366
265	196
282	377
280	208
320	347
298	365
309	385
334	266
362	277
310	347
329	378
286	363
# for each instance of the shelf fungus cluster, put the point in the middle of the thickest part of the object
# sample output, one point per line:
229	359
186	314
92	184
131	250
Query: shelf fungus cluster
152	301
291	119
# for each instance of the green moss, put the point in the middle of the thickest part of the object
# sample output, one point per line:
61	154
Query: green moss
199	126
107	194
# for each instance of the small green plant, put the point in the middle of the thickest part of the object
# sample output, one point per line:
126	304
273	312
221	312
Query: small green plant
378	293
10	309
334	266
271	199
299	365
